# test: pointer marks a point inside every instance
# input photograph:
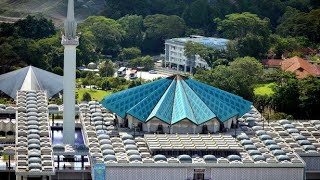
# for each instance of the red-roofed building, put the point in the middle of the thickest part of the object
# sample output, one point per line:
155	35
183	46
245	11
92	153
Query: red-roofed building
300	67
272	63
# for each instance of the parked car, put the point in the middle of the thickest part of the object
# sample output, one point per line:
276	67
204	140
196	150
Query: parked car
153	72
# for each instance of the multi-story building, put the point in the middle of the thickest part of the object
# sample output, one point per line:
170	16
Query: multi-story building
175	57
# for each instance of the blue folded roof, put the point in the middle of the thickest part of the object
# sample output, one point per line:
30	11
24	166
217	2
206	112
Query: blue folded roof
174	99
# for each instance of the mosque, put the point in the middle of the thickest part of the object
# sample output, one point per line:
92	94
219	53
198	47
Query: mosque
175	128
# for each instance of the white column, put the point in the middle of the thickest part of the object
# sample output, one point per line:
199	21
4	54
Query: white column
69	90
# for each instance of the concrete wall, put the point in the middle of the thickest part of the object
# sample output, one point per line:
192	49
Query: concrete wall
183	127
183	173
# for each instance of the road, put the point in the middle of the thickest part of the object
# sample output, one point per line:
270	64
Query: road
145	75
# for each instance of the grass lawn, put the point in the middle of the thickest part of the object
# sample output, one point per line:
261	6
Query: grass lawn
97	95
264	89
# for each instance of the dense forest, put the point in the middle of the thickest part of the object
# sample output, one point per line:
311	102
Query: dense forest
134	30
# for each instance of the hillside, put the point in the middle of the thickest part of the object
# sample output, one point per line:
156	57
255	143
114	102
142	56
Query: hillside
11	10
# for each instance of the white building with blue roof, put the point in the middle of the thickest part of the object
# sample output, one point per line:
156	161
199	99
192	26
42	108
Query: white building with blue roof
174	52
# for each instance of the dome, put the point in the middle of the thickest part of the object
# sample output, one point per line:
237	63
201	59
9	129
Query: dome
106	146
101	127
315	122
242	136
31	102
288	126
210	159
254	152
234	158
246	142
103	136
129	141
33	136
34	166
132	152
34	160
35	132
278	152
283	158
105	141
273	147
92	65
32	110
34	141
127	136
284	121
109	158
33	127
93	103
53	107
258	158
131	147
265	137
135	157
34	146
99	122
269	142
58	147
32	106
309	147
32	114
257	128
96	114
2	106
304	142
185	159
34	154
293	130
299	137
108	152
250	147
260	132
33	122
159	157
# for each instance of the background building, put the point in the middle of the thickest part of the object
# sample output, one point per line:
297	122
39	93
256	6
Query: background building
174	52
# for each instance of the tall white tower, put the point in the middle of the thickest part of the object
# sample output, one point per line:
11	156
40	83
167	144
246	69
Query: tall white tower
70	41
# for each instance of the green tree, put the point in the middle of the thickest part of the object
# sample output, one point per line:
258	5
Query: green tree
86	97
129	53
238	78
106	68
58	70
210	55
160	27
146	62
197	14
133	26
251	34
297	23
106	33
239	25
35	27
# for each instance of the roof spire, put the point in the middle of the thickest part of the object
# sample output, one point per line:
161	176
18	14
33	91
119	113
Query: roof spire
70	25
70	16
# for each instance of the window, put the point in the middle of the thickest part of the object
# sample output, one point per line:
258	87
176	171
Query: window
198	174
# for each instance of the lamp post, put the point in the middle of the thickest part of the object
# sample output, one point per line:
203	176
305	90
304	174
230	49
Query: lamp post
235	129
134	130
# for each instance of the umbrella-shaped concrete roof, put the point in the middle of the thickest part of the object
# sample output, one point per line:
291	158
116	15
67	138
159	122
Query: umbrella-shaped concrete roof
174	99
30	78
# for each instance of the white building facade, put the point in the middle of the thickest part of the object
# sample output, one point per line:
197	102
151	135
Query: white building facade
175	57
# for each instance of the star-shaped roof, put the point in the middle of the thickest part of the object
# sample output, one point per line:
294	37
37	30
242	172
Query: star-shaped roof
30	78
174	99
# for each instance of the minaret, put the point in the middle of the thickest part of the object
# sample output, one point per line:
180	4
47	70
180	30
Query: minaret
70	41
